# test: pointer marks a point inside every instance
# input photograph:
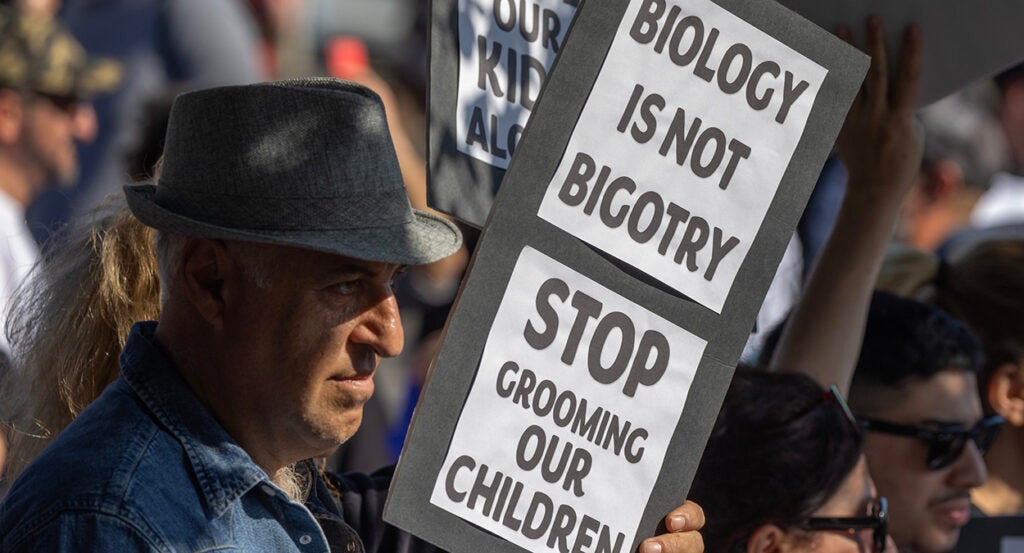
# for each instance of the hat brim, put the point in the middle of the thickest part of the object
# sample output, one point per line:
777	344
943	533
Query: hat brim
101	75
424	239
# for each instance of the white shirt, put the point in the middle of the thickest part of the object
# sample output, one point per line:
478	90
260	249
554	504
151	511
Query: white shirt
18	253
782	295
1002	204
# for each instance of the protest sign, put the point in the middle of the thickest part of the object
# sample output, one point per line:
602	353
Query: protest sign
716	154
506	50
585	387
577	383
489	60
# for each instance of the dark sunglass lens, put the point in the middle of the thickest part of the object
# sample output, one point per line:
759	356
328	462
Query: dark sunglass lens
64	103
945	449
986	436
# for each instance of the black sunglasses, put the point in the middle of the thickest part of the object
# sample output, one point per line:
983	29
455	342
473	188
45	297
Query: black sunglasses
877	519
945	445
66	103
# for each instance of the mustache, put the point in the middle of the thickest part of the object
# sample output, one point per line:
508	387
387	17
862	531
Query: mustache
952	496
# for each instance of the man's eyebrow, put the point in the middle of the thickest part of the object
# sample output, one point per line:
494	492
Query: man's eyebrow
352	269
358	268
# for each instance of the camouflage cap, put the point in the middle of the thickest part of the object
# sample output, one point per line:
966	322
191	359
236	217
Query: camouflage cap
37	55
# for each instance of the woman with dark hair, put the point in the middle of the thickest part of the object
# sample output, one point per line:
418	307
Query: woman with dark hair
783	471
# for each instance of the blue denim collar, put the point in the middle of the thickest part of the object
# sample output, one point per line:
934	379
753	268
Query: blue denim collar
224	471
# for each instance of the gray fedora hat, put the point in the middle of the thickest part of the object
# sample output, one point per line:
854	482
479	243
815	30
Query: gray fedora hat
306	163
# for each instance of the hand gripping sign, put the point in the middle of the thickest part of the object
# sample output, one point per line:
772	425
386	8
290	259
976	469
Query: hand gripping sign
639	224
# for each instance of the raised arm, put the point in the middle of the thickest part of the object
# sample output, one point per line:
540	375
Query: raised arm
881	146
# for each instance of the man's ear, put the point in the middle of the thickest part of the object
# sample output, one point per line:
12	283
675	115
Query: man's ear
11	116
1006	393
768	538
204	268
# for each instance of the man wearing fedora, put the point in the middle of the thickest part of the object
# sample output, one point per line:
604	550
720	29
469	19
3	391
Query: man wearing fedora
282	219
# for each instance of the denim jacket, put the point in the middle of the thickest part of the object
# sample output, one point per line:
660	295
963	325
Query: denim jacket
147	468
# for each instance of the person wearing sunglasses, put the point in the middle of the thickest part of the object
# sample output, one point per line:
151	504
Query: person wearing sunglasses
982	284
784	471
915	393
46	81
44	74
914	390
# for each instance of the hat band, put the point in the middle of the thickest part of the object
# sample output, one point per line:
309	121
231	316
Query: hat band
379	209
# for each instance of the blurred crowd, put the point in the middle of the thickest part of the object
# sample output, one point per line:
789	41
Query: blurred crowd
902	288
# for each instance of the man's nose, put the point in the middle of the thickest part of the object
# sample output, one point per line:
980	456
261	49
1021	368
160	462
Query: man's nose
84	124
968	471
380	327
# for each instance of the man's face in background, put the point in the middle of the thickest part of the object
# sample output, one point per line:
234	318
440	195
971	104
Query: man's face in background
51	129
927	507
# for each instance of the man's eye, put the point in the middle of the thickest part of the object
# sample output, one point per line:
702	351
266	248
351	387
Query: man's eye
346	288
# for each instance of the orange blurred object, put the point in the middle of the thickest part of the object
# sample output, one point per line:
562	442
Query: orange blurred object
347	58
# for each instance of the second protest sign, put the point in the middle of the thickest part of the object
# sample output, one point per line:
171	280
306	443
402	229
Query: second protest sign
586	388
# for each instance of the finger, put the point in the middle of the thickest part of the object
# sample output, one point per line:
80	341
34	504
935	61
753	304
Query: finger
689	516
909	77
878	73
685	542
